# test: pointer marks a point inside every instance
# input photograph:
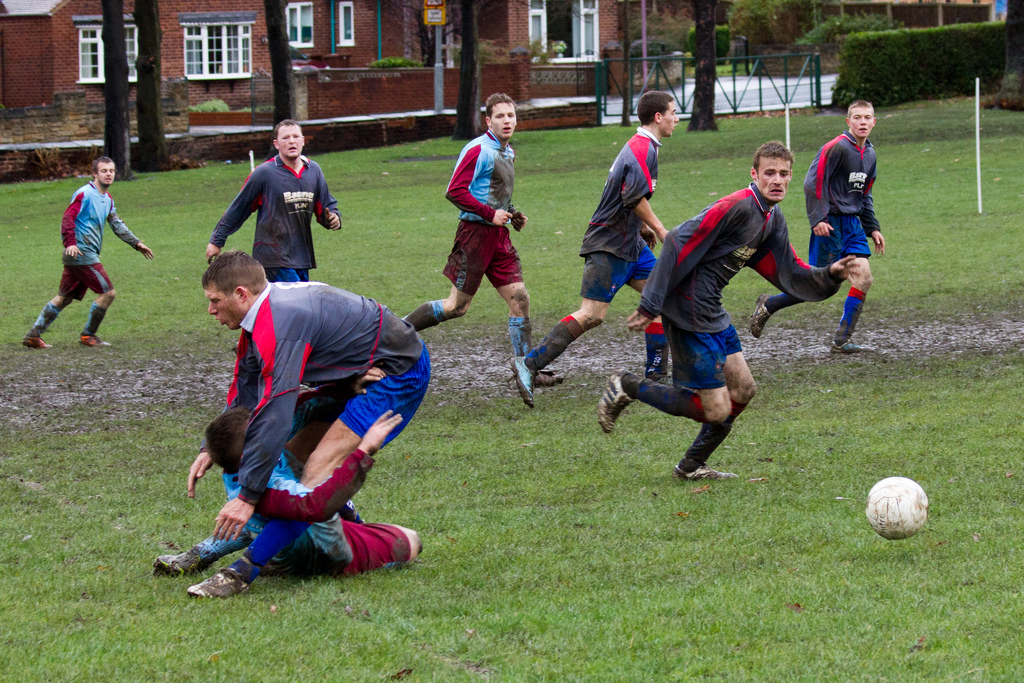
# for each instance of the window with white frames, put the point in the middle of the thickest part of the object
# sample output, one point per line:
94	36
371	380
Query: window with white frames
587	46
218	51
539	22
346	24
90	53
300	24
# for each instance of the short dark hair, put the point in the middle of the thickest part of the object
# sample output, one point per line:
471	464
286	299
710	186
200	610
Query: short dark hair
497	98
235	269
651	103
225	438
772	150
100	160
858	104
286	122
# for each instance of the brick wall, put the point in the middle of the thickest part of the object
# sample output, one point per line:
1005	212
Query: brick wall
16	164
73	117
26	72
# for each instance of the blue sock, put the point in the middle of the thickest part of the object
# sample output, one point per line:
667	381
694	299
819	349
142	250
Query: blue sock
274	538
655	336
851	313
46	316
521	332
780	301
96	314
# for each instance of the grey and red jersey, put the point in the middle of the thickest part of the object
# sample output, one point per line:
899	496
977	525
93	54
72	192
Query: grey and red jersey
614	227
285	202
483	179
704	253
306	333
839	182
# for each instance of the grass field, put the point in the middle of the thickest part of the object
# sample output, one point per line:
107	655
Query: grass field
553	552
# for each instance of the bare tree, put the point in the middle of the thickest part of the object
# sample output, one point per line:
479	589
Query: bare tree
280	58
1011	94
467	107
703	116
149	114
116	132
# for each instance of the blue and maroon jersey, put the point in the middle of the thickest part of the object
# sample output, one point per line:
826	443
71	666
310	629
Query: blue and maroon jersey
483	179
306	333
82	225
285	202
701	256
614	227
839	182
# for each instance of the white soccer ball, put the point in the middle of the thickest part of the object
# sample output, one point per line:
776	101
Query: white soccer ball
897	508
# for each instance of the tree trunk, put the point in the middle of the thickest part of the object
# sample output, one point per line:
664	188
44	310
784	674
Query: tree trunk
703	117
467	108
1011	94
627	71
280	59
116	141
149	114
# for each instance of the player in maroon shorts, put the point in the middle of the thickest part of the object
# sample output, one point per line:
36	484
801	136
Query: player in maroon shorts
82	233
481	187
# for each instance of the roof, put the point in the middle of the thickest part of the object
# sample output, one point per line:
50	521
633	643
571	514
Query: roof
28	7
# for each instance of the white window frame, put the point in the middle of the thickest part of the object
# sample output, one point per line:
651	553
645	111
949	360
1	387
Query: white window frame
216	45
585	12
542	14
342	7
130	43
297	8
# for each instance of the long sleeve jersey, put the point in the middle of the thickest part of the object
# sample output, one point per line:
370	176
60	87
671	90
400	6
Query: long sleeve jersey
82	225
614	227
308	333
704	253
285	202
483	179
839	181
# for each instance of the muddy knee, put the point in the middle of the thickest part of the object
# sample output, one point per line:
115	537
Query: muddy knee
860	274
589	322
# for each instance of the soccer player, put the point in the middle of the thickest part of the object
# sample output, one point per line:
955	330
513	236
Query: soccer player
711	382
616	246
307	333
481	187
81	230
842	214
286	192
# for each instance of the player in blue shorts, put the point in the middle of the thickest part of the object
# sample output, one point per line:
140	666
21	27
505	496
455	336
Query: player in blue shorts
842	214
616	246
303	333
711	381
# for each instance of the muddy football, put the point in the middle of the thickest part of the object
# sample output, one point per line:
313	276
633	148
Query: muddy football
897	508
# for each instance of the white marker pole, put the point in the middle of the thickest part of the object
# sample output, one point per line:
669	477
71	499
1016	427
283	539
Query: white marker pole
787	126
977	133
252	162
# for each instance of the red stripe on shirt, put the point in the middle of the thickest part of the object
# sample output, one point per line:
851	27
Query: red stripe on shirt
767	268
318	208
462	178
870	183
266	344
640	146
711	219
819	182
67	224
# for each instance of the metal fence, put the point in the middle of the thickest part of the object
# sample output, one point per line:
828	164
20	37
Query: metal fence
742	84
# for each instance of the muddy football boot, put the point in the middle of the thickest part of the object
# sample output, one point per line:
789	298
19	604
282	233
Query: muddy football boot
546	378
523	378
702	472
760	316
92	340
612	402
34	342
188	562
223	584
848	347
657	369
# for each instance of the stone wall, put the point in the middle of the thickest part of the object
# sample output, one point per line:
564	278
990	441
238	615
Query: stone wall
73	117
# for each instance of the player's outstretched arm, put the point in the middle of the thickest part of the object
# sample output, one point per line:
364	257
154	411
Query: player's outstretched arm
646	213
374	438
841	268
144	250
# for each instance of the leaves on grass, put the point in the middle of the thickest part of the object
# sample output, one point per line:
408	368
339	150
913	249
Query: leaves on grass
401	674
701	489
941	543
796	607
453	540
919	645
1009	474
102	567
766	459
682	514
273	609
470	632
758	479
215	657
25	538
976	537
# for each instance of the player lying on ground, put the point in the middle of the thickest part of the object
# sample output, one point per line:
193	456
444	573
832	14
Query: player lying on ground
333	544
616	246
711	382
303	333
81	230
842	214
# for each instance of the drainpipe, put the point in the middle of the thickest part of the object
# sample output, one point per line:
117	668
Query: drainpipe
380	47
334	42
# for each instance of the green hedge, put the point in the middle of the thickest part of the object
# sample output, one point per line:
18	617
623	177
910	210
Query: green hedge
890	67
394	63
721	41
